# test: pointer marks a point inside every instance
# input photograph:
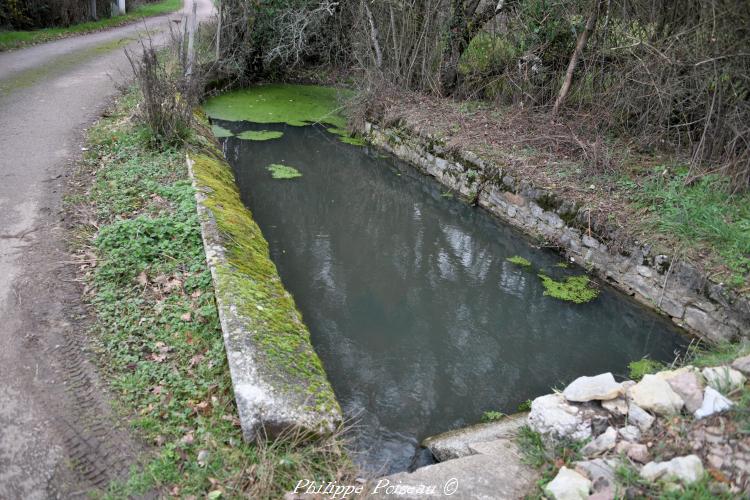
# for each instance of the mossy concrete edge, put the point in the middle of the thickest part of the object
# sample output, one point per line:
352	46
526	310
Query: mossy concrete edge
277	388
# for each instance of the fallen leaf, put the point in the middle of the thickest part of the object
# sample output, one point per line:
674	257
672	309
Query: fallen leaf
187	438
196	294
186	317
142	279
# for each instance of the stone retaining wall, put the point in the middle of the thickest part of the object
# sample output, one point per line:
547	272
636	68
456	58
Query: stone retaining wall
675	288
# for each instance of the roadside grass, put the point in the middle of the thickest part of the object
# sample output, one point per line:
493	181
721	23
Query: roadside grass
157	331
16	39
701	215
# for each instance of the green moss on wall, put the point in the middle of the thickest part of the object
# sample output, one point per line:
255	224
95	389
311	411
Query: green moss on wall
250	280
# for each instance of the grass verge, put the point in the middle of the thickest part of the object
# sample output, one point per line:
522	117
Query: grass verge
157	331
16	39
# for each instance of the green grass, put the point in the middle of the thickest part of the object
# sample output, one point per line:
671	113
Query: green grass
492	416
15	39
547	459
157	331
639	368
701	214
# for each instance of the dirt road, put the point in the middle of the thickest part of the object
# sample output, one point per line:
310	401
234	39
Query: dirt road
58	436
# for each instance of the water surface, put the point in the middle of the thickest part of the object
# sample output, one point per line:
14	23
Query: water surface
421	322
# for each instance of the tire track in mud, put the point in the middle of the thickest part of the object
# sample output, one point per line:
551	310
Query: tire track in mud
95	444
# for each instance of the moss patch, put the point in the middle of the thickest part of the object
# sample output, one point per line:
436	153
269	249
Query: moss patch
279	171
260	135
251	281
573	288
519	261
220	131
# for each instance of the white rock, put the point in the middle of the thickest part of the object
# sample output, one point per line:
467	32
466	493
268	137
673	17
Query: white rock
713	402
603	442
630	433
634	451
553	417
600	387
568	485
617	407
723	378
655	394
640	417
742	364
686	469
687	383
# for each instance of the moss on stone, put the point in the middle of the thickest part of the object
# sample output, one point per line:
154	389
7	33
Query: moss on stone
250	280
573	288
519	261
260	135
279	171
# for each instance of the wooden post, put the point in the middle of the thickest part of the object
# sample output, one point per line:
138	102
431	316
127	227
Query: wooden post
191	38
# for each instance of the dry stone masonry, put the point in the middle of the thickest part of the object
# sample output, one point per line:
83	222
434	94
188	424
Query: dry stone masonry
673	287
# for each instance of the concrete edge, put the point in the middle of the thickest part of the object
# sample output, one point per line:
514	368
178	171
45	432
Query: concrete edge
674	288
268	404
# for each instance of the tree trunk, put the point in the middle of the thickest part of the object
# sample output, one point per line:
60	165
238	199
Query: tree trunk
92	9
374	37
582	39
466	22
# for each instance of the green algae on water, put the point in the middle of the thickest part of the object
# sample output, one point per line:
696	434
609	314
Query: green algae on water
354	141
220	131
283	171
260	135
296	105
519	261
573	288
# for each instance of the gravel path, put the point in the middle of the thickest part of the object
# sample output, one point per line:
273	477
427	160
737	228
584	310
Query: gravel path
58	437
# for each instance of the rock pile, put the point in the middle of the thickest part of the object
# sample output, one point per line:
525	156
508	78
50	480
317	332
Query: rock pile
619	423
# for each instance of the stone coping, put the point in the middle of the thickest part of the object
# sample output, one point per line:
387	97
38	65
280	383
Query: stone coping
675	288
278	380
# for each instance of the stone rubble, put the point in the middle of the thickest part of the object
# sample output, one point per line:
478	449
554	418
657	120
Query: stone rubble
713	402
600	387
723	378
655	394
602	443
568	485
687	470
655	426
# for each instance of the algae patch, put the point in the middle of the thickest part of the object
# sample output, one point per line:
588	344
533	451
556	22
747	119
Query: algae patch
573	288
519	261
279	171
260	135
296	105
220	131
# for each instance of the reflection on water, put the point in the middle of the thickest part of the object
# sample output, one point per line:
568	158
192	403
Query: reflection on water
421	322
